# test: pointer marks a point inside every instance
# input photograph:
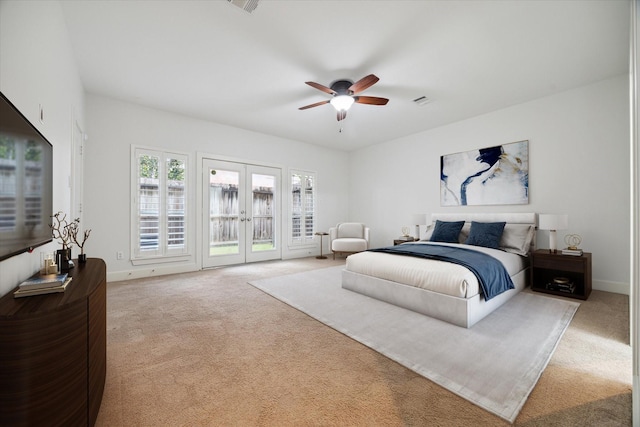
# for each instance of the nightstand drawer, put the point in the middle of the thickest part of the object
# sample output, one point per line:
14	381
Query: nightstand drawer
567	263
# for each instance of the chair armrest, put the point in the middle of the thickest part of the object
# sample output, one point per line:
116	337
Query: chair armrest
333	234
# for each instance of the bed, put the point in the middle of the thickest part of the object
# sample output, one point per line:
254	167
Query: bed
449	291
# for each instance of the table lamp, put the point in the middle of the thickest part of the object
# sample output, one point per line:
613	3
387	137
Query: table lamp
418	220
553	223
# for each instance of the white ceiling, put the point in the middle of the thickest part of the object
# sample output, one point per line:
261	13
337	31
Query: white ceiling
212	60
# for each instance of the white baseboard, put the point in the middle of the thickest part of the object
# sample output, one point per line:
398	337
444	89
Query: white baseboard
607	286
150	271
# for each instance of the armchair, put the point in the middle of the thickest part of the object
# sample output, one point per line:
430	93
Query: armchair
349	238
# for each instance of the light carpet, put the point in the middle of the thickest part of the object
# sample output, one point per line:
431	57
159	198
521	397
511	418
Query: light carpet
494	365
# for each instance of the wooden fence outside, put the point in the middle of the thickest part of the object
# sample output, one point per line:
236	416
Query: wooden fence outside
224	215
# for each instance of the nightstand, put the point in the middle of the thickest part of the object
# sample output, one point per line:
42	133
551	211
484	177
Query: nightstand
564	275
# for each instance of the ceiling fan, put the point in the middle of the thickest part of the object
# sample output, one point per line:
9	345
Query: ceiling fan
345	94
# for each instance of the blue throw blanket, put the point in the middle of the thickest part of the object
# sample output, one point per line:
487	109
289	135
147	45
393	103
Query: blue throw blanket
491	274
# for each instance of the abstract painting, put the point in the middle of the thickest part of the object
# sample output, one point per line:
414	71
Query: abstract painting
489	176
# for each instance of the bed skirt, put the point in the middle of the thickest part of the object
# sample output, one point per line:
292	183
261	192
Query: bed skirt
463	312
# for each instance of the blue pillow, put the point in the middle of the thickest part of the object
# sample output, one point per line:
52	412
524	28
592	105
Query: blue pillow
446	231
487	234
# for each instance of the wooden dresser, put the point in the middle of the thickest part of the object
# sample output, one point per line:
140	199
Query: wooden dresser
53	352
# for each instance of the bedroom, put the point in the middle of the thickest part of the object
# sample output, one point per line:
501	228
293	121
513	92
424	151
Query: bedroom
567	131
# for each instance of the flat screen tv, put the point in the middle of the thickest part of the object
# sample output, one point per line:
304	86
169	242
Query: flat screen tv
26	189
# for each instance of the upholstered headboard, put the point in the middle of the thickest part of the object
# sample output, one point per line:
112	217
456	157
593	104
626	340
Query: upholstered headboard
528	218
512	218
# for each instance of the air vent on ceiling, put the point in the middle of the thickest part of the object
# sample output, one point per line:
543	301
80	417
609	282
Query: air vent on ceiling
423	100
246	5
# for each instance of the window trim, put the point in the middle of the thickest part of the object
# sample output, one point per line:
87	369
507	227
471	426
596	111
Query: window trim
164	253
304	242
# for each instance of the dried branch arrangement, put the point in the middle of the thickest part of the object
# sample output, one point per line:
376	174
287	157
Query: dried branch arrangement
61	228
67	232
74	228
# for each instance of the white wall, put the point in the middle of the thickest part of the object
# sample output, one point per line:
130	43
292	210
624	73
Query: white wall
578	165
114	126
37	68
578	154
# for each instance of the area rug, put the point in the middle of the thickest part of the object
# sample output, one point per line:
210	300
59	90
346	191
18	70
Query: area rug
494	365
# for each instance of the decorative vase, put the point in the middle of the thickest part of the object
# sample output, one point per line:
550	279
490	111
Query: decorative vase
82	258
63	256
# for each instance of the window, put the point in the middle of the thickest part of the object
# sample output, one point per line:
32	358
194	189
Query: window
302	209
160	212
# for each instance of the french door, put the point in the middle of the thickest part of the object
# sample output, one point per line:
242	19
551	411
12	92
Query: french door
241	213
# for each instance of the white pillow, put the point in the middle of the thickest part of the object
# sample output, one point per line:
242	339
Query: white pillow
464	233
428	232
516	238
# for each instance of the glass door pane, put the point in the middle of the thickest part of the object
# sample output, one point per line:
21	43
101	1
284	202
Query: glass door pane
224	212
263	217
263	205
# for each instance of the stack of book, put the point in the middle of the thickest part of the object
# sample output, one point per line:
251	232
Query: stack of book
43	284
561	284
574	252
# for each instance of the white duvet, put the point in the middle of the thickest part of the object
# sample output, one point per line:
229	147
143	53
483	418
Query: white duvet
437	276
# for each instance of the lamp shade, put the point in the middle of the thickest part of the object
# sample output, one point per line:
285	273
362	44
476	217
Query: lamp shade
342	102
419	219
553	222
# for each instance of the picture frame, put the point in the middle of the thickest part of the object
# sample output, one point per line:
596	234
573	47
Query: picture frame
497	175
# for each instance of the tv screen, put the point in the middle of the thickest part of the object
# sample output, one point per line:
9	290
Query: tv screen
26	190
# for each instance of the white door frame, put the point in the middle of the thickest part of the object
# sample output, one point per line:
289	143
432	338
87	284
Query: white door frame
77	170
245	251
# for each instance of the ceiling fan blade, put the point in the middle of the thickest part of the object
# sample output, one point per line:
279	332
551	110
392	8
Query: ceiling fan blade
370	100
342	115
364	83
321	87
314	105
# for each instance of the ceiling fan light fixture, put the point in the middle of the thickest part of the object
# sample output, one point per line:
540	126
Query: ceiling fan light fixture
345	94
342	102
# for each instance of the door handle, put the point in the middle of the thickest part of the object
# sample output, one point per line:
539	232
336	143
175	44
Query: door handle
248	219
